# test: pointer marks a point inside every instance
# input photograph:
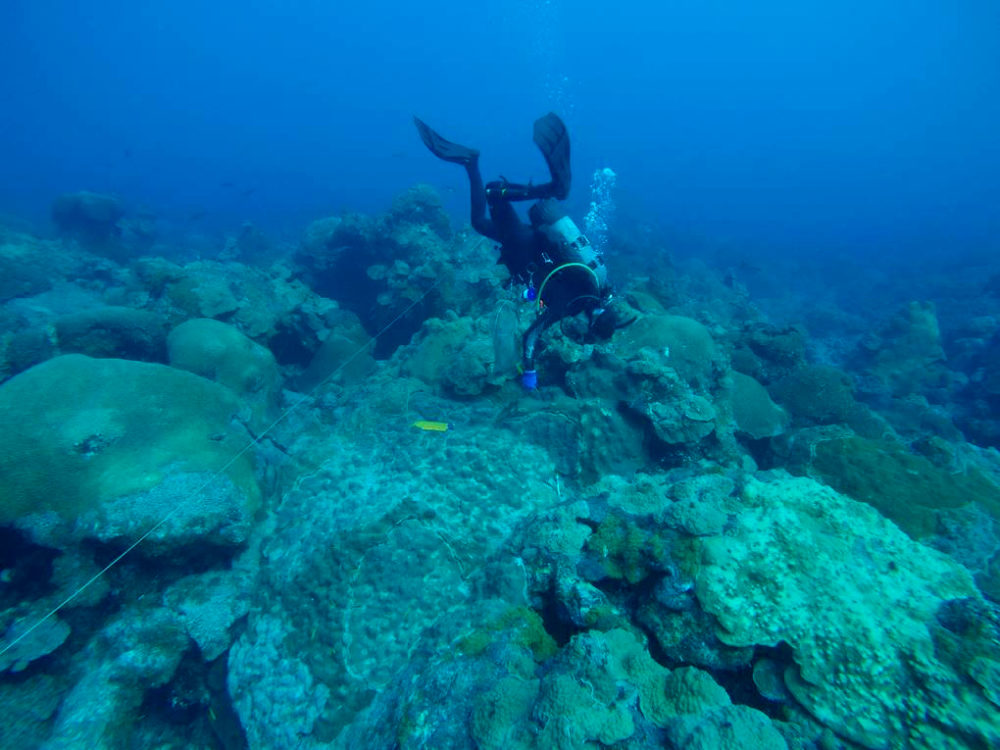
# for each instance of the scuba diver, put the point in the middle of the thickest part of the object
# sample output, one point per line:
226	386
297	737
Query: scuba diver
563	273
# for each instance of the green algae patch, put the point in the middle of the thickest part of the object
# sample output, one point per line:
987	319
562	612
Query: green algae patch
626	550
904	487
78	432
521	626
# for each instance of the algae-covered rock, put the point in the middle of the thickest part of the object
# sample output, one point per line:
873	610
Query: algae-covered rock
219	352
24	269
80	434
585	437
26	707
687	420
452	355
905	487
602	689
208	604
89	217
853	597
47	635
823	395
28	347
666	375
767	353
206	290
421	205
264	304
138	649
700	505
388	537
346	351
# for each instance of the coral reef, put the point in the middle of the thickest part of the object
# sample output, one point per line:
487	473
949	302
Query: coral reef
725	527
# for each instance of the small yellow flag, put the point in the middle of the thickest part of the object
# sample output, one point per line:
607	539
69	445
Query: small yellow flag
423	424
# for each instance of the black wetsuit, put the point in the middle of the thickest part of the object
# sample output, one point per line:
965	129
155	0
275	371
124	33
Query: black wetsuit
530	256
565	284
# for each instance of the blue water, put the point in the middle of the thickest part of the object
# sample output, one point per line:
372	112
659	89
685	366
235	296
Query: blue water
789	126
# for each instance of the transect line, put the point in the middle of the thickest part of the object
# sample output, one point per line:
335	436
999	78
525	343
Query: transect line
208	482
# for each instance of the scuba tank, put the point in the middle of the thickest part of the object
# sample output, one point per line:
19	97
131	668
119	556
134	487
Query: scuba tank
569	243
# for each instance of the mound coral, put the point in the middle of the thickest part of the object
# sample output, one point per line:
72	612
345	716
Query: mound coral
79	434
219	352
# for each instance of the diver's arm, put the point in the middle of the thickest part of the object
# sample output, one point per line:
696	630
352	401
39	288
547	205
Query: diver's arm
530	339
503	191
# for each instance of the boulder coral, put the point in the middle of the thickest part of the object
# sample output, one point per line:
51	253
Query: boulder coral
755	414
81	436
218	351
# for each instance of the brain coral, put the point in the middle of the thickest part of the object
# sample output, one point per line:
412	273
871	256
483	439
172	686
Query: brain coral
854	597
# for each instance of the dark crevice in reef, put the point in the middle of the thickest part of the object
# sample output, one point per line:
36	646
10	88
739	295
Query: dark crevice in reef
196	698
743	688
26	568
556	620
183	560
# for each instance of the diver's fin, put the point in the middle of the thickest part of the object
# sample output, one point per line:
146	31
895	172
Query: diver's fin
552	139
444	149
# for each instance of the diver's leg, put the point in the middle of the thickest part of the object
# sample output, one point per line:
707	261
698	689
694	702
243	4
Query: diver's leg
552	139
468	158
443	148
477	197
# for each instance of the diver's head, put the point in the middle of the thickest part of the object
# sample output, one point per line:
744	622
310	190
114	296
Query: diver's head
607	319
603	323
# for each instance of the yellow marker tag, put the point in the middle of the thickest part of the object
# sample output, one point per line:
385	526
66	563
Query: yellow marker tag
423	424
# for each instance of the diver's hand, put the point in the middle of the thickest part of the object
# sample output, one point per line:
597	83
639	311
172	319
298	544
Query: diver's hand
529	380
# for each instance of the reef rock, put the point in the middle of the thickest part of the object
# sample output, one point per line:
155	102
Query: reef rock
89	217
855	598
906	353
